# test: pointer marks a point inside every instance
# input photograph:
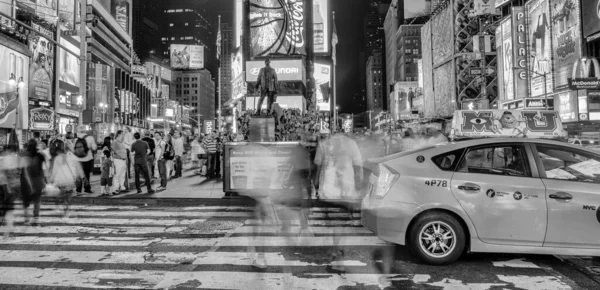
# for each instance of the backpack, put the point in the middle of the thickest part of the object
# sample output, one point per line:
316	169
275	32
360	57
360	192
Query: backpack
169	151
81	147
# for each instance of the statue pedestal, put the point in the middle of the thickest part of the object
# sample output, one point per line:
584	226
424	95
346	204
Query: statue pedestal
262	129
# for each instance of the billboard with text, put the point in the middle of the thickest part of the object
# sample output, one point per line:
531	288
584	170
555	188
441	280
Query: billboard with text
566	38
277	27
323	86
287	70
185	56
321	26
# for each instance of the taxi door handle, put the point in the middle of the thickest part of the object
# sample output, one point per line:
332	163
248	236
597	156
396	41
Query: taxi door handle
561	196
469	187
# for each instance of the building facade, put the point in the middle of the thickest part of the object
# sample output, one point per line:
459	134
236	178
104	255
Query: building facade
390	29
408	45
375	82
225	62
147	16
196	89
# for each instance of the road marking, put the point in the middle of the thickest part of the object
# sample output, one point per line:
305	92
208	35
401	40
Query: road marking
169	258
515	263
101	229
534	282
296	229
117	222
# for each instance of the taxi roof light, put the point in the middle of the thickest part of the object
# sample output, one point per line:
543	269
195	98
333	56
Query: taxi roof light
387	178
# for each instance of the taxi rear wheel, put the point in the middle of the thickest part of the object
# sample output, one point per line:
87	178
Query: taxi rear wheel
437	238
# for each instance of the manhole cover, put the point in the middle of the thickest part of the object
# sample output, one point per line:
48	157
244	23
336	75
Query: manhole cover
215	225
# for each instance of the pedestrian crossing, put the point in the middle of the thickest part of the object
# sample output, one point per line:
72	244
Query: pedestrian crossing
206	247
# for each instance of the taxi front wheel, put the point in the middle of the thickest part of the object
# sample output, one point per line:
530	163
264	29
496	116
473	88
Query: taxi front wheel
437	238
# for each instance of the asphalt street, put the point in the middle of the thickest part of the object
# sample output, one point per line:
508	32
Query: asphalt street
206	247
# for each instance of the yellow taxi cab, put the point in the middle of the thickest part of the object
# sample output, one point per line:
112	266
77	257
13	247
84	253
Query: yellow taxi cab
514	190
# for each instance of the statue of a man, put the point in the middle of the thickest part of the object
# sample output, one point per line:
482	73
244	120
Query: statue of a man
267	81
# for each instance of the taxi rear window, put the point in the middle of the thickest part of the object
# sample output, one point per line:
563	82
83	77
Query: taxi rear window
449	160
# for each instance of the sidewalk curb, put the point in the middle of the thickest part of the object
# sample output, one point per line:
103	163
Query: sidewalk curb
578	263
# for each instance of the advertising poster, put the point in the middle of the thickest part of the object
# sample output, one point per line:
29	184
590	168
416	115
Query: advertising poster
322	76
187	56
239	22
277	27
566	105
237	64
321	26
540	46
508	84
566	39
590	17
120	11
42	65
407	94
66	11
17	64
500	62
69	69
287	70
507	123
260	167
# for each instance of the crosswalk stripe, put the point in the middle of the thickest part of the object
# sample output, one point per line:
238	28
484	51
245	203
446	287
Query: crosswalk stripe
132	279
296	229
206	258
103	230
117	222
275	241
160	214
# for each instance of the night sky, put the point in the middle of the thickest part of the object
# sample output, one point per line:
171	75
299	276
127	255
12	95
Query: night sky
349	22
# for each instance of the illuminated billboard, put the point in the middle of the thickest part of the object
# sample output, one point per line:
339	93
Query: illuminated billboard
566	38
540	47
287	70
120	11
519	51
507	61
277	27
321	26
187	56
322	76
239	22
69	67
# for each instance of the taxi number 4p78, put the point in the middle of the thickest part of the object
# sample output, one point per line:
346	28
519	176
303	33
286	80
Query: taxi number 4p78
438	183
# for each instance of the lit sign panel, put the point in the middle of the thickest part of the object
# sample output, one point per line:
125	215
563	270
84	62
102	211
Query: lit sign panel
323	85
277	27
287	70
519	35
187	56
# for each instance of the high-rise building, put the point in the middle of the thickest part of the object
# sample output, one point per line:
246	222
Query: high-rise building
408	43
196	89
390	29
373	25
146	21
375	82
227	43
186	22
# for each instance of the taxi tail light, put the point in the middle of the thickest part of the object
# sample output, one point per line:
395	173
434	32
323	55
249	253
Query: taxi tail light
387	178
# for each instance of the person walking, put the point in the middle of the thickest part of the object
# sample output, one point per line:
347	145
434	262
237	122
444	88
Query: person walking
141	149
128	141
84	149
169	154
9	187
120	163
210	145
32	181
178	148
162	161
151	157
158	138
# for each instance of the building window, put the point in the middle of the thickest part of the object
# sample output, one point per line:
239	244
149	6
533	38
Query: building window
171	24
415	51
187	24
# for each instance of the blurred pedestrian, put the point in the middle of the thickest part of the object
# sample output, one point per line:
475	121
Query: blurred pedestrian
84	149
210	145
64	173
141	149
9	187
32	181
128	141
163	146
169	154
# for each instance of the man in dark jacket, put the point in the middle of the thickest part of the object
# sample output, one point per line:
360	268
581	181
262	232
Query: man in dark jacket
267	81
148	139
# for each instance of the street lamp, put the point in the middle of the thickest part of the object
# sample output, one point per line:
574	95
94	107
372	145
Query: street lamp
103	108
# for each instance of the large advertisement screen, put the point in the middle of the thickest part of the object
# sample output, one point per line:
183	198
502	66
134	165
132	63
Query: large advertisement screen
42	65
321	26
566	39
540	46
507	61
185	56
590	10
287	70
323	85
277	27
68	68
